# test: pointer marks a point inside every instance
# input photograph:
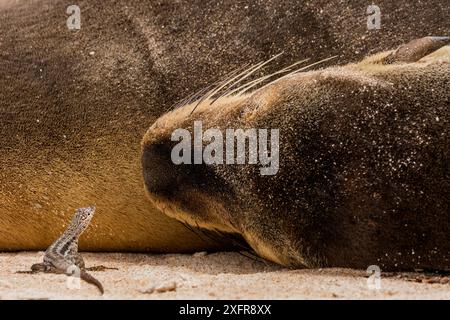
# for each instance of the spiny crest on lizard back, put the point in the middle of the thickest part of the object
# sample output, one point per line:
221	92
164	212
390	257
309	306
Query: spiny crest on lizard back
233	84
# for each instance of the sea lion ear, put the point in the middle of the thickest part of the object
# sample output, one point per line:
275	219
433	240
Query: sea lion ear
416	50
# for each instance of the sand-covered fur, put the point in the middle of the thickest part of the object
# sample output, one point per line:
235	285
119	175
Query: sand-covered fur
363	177
74	105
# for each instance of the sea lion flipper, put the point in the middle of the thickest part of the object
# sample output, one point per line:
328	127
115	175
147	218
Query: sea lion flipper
416	50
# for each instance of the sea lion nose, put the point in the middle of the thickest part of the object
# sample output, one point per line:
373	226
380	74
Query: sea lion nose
160	174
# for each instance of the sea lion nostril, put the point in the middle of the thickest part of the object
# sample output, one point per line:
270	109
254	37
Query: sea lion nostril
160	174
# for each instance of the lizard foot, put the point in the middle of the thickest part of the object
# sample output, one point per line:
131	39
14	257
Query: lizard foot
100	268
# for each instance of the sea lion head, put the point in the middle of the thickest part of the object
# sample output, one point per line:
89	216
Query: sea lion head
352	168
241	198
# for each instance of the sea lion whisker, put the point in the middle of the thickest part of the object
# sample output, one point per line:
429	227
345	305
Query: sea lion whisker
247	86
215	85
300	69
190	228
198	95
313	64
255	82
209	234
181	103
225	83
229	77
229	84
188	100
191	98
253	257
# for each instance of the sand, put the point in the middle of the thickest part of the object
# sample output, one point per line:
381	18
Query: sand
204	276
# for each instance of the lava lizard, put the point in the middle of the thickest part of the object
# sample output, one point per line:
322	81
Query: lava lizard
62	255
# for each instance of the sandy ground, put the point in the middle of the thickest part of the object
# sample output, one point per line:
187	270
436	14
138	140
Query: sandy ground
205	276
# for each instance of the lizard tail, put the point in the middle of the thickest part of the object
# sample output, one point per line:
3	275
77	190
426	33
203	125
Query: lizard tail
90	279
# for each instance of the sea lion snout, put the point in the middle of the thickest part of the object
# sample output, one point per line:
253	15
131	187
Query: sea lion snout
165	179
190	191
159	172
182	191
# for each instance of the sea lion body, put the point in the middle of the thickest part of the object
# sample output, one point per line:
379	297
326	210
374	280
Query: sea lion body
75	104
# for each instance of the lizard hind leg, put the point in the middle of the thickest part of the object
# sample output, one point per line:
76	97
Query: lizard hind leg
79	261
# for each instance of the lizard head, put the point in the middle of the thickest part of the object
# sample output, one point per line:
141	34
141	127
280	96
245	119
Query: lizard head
82	218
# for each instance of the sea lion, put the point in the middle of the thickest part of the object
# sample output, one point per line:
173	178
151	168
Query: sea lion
363	164
75	104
